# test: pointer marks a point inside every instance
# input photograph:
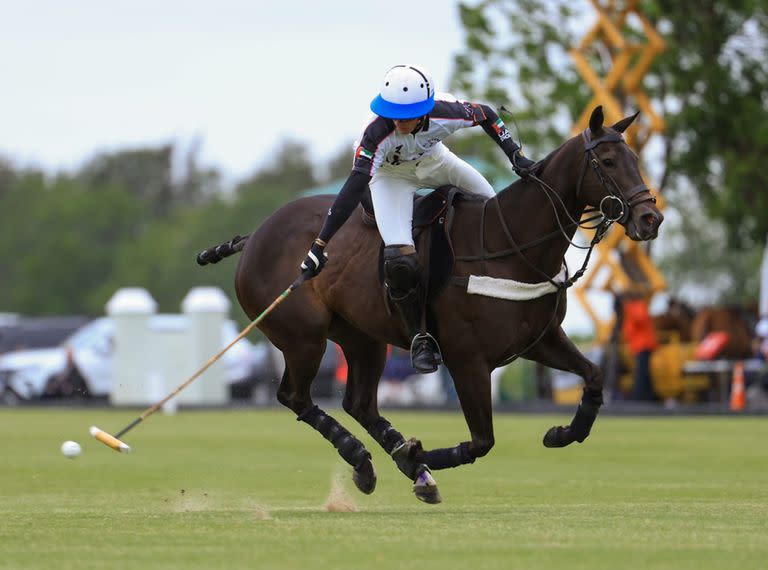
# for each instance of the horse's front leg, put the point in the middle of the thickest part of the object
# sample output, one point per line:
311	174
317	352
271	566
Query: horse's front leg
556	350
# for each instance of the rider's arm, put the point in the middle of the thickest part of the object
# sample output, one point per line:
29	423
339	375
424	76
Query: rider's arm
345	203
464	114
368	157
489	120
347	200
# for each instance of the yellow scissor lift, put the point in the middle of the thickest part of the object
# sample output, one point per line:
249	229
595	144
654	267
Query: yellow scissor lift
623	36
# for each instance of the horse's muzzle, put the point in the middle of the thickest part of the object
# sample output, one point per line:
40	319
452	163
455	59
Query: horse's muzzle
648	225
644	222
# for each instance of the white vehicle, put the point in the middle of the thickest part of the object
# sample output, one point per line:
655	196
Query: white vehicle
25	374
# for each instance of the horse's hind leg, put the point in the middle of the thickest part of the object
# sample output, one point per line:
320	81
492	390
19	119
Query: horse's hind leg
365	361
557	351
302	361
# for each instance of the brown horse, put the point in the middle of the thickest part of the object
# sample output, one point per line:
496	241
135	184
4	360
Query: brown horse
477	333
736	320
677	320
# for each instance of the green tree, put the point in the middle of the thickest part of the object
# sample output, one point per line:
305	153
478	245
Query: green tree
286	175
516	56
162	258
710	84
58	239
145	172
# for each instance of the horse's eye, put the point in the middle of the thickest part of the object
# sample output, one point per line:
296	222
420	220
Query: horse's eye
608	162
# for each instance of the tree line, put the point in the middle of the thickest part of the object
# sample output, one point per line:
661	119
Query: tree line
134	217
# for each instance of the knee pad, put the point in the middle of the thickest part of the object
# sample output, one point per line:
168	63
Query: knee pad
401	269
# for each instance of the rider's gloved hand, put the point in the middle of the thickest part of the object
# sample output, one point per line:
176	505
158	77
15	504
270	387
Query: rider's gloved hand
521	164
315	260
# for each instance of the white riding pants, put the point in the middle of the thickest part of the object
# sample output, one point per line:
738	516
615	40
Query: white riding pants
393	187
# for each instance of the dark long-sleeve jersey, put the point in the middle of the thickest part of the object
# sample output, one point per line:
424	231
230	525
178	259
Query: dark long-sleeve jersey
382	144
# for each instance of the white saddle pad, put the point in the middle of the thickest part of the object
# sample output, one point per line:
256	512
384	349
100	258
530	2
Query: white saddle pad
511	289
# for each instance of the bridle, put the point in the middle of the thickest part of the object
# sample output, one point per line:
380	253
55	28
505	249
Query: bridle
616	205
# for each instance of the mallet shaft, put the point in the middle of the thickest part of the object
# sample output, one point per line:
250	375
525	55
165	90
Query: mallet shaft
106	438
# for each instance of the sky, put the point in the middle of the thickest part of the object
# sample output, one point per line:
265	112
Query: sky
81	76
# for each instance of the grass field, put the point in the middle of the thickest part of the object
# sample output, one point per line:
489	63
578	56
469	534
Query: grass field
247	489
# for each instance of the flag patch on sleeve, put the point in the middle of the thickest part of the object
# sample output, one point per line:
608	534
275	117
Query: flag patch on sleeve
363	153
501	129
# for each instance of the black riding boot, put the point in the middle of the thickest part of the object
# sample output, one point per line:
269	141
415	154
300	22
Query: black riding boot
404	289
425	352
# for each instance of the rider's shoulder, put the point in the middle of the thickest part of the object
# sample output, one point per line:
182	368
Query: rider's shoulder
449	107
378	128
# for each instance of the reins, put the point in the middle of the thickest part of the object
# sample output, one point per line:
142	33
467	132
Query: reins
615	206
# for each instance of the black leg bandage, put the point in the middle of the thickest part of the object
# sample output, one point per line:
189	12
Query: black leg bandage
586	414
348	446
407	455
385	435
448	457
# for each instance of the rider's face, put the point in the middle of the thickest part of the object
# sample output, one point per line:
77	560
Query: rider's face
405	126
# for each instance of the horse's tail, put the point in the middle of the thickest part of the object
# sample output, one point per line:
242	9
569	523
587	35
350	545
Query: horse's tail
216	253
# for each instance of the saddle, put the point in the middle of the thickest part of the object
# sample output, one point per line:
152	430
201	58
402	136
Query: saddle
433	216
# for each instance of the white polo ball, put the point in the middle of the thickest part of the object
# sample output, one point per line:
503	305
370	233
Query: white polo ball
71	449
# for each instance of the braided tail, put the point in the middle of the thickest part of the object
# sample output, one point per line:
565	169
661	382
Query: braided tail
216	253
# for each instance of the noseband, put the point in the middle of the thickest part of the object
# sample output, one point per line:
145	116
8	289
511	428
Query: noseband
616	205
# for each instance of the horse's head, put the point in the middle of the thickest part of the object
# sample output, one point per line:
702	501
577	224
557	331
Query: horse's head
611	181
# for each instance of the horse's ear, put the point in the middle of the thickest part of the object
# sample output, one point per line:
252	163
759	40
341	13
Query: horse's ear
596	120
622	125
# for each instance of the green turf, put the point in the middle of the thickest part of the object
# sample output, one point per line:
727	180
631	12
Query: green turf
246	489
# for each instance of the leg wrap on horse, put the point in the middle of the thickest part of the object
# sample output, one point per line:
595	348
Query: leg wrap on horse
385	435
586	414
348	446
448	457
407	455
218	252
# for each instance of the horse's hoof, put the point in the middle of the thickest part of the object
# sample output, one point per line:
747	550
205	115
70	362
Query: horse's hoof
365	477
425	488
557	436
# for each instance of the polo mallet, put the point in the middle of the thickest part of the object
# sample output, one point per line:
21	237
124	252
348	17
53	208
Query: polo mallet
114	442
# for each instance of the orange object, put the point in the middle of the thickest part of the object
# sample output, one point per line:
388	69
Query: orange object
342	370
712	345
109	440
738	398
637	326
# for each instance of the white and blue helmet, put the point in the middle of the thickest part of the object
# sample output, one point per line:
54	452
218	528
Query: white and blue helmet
407	93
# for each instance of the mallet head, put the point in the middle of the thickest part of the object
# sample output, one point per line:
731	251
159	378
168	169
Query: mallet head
110	440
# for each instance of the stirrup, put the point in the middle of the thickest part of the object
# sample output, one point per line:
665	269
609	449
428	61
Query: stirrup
433	347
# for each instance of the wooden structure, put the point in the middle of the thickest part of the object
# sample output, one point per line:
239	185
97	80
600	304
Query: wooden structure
624	42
